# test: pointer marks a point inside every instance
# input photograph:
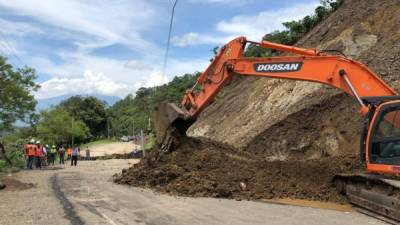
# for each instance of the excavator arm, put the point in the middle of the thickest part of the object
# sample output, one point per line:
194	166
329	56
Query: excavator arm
340	72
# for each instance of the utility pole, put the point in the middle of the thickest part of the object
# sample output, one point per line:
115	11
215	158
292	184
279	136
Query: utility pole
72	131
133	127
142	143
169	38
108	128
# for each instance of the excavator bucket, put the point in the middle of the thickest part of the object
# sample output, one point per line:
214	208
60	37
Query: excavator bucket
171	123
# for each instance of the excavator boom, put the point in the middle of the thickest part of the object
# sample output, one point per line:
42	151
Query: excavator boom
336	71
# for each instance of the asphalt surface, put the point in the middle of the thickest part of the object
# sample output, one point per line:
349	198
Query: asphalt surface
86	195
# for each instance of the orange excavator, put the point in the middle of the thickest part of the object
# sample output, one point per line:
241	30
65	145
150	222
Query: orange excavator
377	191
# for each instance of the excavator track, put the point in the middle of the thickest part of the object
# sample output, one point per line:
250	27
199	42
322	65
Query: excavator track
372	195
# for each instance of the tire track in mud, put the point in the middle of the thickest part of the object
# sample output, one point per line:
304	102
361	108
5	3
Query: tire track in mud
69	211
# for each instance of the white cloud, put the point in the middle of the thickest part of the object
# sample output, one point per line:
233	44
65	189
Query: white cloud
194	38
92	21
107	76
155	79
18	28
254	27
225	2
187	39
135	64
90	25
9	48
89	83
80	27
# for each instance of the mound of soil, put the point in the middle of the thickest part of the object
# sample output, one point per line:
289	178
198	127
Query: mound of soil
202	168
11	184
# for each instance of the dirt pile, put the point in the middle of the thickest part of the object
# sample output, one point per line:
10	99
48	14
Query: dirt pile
208	169
296	117
11	184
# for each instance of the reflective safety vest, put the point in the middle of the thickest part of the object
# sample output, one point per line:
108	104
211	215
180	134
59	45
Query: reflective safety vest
39	152
53	150
30	150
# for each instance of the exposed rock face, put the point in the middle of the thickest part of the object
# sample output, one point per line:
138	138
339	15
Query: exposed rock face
282	119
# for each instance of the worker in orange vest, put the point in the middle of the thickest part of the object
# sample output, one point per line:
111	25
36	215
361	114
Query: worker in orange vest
39	154
69	153
30	151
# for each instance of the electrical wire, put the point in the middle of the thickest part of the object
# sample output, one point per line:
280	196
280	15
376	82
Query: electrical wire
169	38
9	48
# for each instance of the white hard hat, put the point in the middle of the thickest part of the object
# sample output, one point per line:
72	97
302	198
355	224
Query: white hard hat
37	142
32	141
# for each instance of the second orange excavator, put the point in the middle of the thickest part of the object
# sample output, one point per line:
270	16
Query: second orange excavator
378	190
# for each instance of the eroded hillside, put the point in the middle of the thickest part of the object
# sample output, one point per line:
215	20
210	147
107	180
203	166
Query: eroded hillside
280	119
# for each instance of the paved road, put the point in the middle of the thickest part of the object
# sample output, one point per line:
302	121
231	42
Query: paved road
85	195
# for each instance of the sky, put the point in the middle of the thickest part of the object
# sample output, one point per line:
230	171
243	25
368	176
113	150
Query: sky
115	47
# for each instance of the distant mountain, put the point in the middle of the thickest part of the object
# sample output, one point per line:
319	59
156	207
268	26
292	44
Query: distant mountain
48	102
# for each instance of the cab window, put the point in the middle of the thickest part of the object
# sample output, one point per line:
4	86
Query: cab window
385	144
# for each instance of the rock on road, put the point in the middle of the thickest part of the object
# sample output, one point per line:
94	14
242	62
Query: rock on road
86	195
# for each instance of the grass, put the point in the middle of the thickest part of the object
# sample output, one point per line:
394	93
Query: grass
18	163
152	142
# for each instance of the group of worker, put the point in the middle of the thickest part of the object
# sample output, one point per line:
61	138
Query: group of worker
42	155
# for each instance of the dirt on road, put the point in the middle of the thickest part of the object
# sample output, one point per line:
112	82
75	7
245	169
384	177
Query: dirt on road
208	169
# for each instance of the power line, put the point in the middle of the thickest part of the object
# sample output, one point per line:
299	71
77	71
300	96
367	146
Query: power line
10	49
11	52
169	38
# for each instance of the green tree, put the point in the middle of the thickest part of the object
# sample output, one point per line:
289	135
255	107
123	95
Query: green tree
16	99
135	111
89	110
57	126
295	29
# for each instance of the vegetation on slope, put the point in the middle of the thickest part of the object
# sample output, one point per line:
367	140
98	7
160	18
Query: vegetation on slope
295	29
133	112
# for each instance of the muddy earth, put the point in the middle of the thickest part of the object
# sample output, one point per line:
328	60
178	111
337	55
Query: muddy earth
203	168
11	184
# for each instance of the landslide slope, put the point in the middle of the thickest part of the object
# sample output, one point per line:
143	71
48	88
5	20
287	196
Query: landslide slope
282	119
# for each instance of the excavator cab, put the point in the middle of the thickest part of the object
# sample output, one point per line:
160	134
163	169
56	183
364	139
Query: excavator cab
383	139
